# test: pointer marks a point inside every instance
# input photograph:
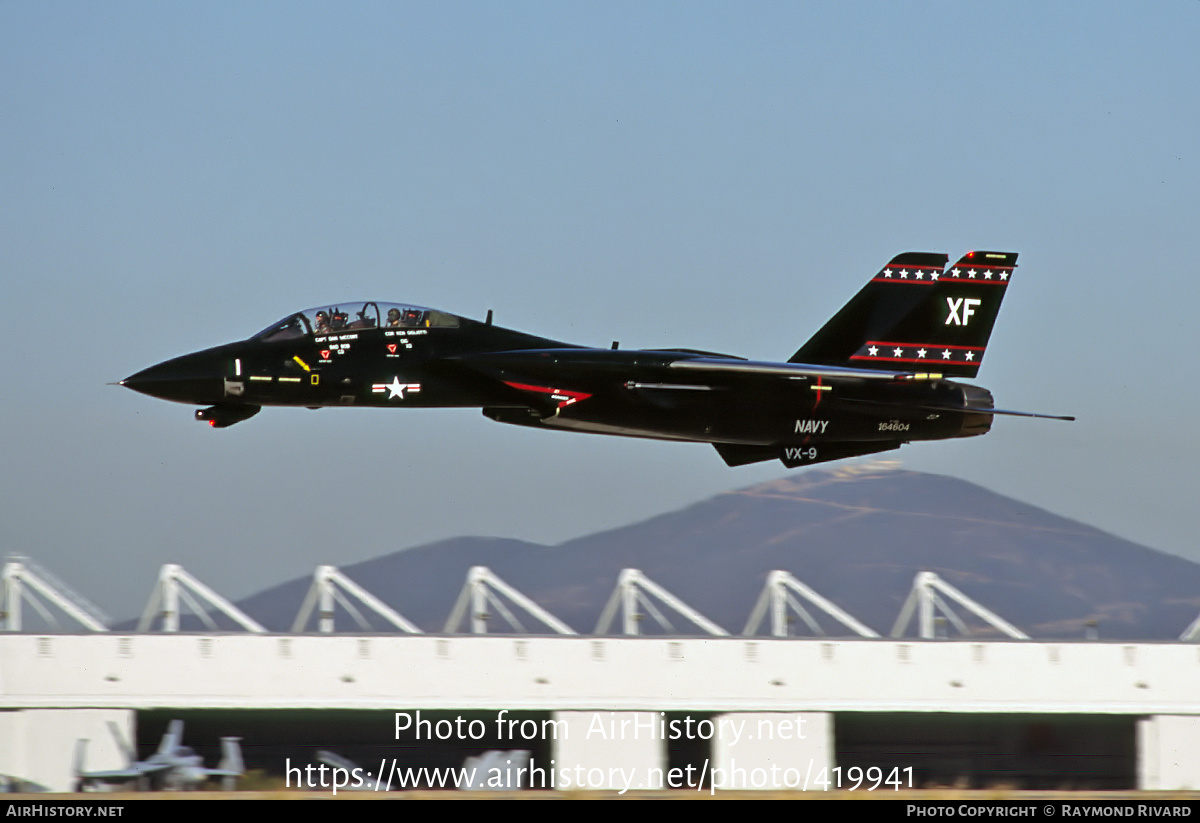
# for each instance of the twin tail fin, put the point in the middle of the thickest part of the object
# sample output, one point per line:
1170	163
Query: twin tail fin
917	314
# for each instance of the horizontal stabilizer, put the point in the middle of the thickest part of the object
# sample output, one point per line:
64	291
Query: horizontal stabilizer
738	455
735	454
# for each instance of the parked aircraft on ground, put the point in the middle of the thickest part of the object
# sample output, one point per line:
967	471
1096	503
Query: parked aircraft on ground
173	767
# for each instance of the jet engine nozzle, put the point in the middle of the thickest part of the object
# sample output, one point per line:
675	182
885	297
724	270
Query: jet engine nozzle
976	421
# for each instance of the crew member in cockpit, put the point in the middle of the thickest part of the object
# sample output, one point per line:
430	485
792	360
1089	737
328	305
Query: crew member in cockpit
323	323
393	319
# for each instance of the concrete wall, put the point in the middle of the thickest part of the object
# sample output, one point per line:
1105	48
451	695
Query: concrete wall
773	750
1169	752
578	673
40	745
788	686
610	750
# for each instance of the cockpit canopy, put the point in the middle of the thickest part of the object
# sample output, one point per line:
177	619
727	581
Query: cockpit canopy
337	318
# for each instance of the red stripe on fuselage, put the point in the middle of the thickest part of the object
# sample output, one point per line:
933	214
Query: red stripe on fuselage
564	396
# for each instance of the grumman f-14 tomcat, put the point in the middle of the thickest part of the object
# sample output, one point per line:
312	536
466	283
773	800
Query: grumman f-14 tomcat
872	378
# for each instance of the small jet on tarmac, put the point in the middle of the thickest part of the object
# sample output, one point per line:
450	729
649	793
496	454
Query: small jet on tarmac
872	378
173	767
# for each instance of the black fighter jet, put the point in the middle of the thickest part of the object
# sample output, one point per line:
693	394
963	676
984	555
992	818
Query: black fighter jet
873	378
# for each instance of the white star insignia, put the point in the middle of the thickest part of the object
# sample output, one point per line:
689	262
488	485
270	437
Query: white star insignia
934	275
970	355
971	274
920	275
897	352
987	275
1003	275
903	274
946	354
395	389
921	353
887	272
954	272
873	350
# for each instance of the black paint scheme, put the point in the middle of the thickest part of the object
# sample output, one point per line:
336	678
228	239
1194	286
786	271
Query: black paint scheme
874	377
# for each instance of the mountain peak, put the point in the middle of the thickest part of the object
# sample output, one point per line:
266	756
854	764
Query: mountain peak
814	478
857	534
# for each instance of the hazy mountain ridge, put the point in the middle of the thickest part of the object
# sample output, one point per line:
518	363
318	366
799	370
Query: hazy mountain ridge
857	535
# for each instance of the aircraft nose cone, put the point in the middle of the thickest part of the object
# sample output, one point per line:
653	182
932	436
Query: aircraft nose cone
148	381
187	379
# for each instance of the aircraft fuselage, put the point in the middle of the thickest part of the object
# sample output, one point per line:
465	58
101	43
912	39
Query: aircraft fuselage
847	400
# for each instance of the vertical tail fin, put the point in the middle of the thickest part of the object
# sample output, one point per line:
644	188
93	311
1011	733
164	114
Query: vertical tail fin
914	313
77	761
231	756
127	750
79	783
231	766
173	738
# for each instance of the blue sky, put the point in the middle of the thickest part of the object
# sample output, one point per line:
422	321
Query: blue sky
709	175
